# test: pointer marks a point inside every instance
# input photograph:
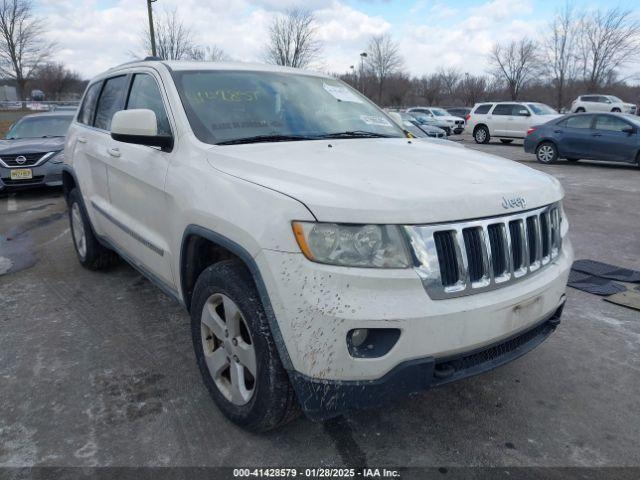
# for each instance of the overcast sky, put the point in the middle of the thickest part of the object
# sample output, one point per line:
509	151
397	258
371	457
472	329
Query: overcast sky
93	35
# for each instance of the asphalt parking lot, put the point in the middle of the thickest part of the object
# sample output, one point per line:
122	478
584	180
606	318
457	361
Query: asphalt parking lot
97	369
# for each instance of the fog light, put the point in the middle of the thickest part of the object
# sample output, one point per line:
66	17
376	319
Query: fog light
358	336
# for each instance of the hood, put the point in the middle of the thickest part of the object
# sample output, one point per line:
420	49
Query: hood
387	180
31	145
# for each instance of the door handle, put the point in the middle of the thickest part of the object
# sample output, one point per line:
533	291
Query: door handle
82	140
114	152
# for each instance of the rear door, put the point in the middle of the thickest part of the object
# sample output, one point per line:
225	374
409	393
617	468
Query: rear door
137	175
499	123
611	142
83	146
574	136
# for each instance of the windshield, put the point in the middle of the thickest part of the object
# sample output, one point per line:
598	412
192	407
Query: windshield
440	112
423	119
541	109
40	127
242	107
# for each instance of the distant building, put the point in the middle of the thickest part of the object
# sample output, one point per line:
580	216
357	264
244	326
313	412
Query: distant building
8	93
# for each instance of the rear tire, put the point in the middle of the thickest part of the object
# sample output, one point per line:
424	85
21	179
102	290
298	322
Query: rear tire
580	110
91	253
616	110
481	135
241	367
546	153
506	141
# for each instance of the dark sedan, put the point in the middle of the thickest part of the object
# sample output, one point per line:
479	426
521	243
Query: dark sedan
612	137
32	153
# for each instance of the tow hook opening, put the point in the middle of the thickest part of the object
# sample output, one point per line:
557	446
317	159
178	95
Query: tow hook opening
443	370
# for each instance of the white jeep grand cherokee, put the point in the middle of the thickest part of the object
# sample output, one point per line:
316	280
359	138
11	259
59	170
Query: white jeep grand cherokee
327	261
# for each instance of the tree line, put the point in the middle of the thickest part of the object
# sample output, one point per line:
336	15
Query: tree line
580	52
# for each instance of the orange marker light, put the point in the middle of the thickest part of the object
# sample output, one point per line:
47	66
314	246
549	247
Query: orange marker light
298	231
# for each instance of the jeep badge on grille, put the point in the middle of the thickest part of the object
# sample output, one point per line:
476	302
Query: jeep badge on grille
514	202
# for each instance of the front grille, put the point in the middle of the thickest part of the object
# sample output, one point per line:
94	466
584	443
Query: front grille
470	257
31	159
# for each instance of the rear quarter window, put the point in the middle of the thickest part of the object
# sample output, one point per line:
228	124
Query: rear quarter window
482	109
88	108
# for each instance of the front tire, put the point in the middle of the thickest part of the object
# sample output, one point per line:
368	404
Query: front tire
481	135
580	110
616	110
235	351
91	253
547	153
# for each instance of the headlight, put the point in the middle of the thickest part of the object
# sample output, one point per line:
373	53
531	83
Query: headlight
372	246
57	157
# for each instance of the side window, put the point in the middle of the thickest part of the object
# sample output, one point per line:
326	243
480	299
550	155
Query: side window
589	98
503	109
483	109
89	104
611	123
520	111
602	99
145	94
111	100
578	121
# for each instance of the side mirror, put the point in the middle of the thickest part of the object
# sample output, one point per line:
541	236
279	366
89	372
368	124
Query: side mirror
629	130
139	126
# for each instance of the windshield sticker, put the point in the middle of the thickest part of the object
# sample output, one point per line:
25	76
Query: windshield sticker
223	95
342	94
373	120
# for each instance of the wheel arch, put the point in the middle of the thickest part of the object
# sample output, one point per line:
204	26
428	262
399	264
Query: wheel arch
479	125
200	249
69	182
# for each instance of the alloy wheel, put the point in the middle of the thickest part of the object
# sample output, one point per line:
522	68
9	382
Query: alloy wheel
546	154
228	349
77	230
481	135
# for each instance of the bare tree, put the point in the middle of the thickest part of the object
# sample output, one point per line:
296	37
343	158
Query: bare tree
209	54
560	52
56	80
450	78
22	45
383	59
293	40
608	41
429	88
472	89
174	39
515	63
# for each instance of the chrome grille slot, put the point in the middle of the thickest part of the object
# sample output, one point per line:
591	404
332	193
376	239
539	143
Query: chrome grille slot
447	257
473	256
28	160
499	249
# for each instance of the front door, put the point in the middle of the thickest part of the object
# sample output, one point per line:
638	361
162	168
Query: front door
611	141
137	175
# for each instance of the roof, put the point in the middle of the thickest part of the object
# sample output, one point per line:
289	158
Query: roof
184	65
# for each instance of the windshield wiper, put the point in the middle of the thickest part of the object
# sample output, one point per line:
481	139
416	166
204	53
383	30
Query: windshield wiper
355	134
267	138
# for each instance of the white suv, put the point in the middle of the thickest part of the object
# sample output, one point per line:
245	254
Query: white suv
327	261
506	120
601	103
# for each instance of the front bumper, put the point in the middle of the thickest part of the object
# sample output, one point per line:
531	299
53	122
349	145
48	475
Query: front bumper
48	174
322	400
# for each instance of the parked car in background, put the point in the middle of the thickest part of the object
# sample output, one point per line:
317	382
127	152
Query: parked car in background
506	120
461	112
64	108
605	136
410	124
601	103
327	262
32	153
452	125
